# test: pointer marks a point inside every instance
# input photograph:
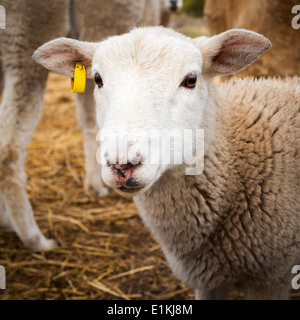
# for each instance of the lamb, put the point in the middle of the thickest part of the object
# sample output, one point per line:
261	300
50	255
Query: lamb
29	25
237	224
271	18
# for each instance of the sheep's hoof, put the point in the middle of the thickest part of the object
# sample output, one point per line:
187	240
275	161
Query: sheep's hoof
93	192
50	244
44	244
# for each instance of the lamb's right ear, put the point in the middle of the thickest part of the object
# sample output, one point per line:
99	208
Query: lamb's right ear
230	51
62	54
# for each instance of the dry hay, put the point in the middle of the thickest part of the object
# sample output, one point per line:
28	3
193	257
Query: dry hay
105	251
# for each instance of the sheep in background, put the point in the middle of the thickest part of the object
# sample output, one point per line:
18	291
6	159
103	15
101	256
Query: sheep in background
268	17
169	7
30	24
237	223
150	13
159	12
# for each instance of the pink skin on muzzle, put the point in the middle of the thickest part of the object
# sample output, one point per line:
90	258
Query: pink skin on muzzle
122	175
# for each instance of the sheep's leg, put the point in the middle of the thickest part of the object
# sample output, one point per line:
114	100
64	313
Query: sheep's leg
219	293
1	78
19	215
19	113
86	118
21	106
16	211
4	220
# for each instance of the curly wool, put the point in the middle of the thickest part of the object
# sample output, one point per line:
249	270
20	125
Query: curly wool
238	223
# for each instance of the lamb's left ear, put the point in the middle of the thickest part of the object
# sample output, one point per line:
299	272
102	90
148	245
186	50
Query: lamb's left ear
230	51
62	54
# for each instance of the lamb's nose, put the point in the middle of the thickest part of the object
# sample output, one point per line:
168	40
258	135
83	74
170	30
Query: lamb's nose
121	169
123	174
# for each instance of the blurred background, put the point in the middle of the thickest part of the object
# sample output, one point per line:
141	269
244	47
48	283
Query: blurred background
105	251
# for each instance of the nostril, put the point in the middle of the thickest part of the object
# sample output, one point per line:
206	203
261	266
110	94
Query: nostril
131	183
125	167
124	172
121	173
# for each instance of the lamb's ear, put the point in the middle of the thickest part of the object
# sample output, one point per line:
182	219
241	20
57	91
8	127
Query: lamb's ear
230	51
62	54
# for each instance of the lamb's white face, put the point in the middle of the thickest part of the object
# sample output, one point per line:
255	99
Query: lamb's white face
149	80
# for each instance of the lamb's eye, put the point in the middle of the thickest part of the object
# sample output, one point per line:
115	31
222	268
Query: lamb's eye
189	81
98	80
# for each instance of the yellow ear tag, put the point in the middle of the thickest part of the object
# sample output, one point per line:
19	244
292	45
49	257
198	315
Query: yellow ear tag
79	80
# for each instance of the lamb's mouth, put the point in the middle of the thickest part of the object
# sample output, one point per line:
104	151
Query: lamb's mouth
129	190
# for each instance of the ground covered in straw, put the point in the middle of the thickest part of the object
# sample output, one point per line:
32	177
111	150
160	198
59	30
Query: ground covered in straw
105	251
